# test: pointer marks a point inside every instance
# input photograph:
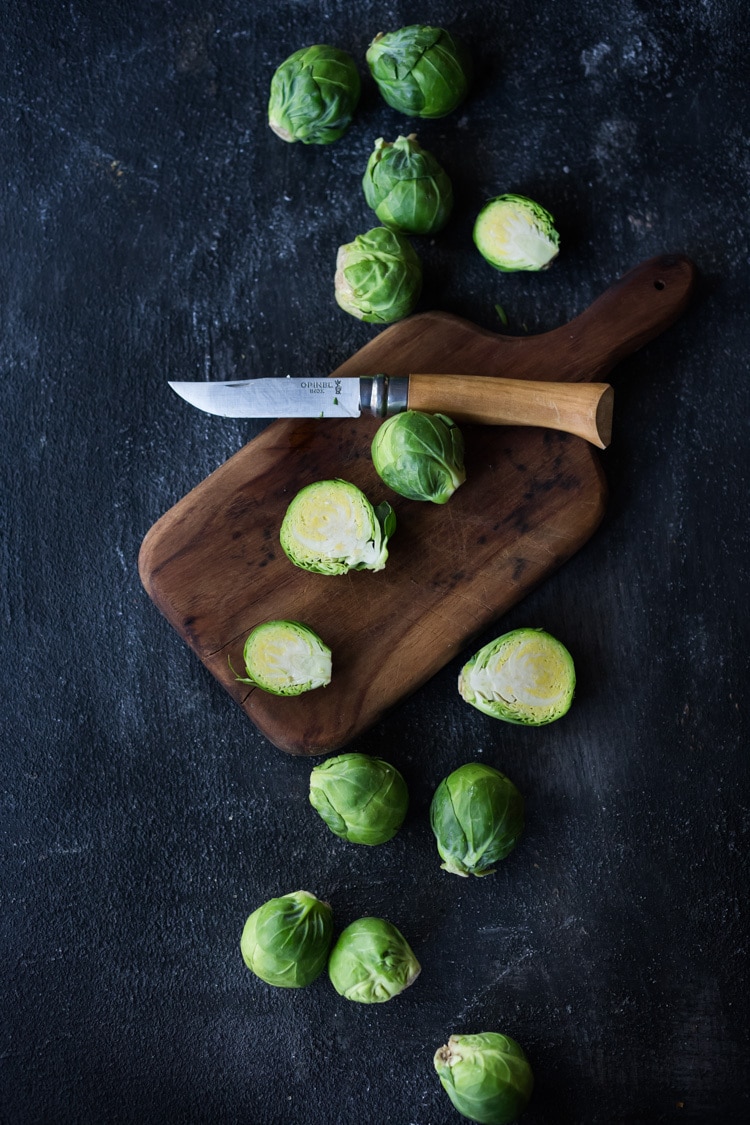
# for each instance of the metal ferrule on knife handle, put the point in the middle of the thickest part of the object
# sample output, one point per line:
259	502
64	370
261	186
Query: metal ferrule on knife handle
583	409
383	395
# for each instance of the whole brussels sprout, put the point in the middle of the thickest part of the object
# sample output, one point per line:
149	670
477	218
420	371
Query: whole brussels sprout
420	71
330	527
362	799
513	233
286	941
477	816
371	962
286	658
487	1076
525	677
313	95
406	187
420	456
378	276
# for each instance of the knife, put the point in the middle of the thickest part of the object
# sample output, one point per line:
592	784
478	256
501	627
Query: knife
583	409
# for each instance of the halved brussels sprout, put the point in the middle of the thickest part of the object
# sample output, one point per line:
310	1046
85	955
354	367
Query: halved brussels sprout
513	233
331	527
525	677
362	799
476	815
378	276
406	187
371	962
313	95
420	456
487	1076
420	71
286	658
286	941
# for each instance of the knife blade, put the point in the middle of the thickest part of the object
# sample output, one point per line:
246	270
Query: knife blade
583	409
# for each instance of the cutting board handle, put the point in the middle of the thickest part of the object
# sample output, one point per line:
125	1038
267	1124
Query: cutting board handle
635	309
639	306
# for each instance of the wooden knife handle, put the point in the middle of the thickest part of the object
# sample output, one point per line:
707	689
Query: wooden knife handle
584	409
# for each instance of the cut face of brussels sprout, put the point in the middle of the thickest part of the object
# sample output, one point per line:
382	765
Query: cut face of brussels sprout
525	677
331	527
286	941
313	95
514	233
406	187
476	815
286	658
420	71
361	798
371	962
420	456
487	1077
378	276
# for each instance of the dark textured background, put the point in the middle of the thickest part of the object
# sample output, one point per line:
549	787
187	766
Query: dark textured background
152	226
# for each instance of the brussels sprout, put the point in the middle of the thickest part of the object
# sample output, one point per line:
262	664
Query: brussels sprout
420	71
361	798
406	187
286	941
371	962
378	276
420	456
525	677
477	817
313	95
514	233
331	527
486	1076
286	658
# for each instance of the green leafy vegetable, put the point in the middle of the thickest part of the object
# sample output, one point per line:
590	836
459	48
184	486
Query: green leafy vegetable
513	233
477	816
313	95
525	677
286	658
331	527
406	187
371	962
487	1077
420	456
420	71
378	276
361	798
286	941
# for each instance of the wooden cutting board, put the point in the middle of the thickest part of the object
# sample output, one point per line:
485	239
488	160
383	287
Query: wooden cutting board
213	565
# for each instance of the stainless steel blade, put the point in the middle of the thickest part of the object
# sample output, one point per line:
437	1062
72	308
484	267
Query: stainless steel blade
275	398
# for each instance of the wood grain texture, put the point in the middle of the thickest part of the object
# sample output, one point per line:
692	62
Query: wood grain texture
583	409
214	567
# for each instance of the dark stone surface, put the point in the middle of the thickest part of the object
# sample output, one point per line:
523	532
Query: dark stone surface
152	226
